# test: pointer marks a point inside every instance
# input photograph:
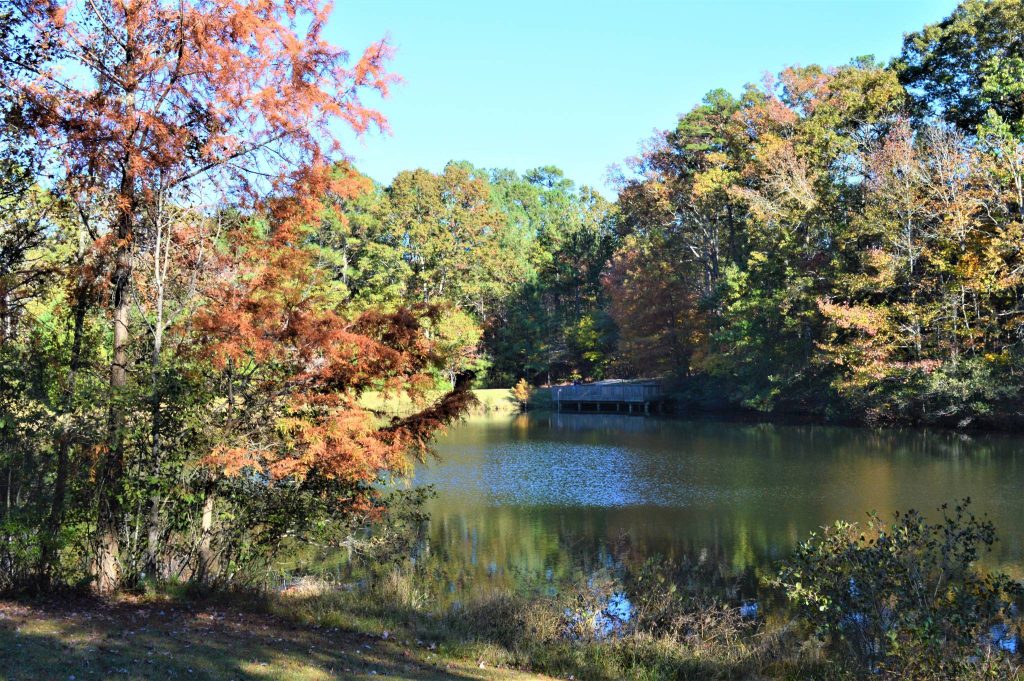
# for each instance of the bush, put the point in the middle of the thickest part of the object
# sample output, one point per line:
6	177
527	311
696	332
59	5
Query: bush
905	597
19	554
522	392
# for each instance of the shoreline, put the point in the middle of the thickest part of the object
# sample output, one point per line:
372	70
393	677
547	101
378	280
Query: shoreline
689	409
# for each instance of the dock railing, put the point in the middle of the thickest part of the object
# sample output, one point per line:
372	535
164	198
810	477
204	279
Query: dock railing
623	393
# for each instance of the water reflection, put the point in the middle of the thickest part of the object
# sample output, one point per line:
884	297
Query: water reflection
533	498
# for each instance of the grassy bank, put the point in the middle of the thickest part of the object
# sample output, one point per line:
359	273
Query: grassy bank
489	401
393	627
678	629
555	635
318	633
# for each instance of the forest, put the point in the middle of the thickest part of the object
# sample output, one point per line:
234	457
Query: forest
199	289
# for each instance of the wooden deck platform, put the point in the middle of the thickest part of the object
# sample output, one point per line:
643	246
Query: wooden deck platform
640	397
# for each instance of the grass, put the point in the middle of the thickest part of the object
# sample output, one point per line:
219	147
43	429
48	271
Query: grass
315	631
675	633
529	632
161	639
496	401
389	629
489	401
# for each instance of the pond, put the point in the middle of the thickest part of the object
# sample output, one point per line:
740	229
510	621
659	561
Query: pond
539	497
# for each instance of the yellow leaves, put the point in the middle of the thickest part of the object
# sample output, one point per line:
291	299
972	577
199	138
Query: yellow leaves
879	272
290	426
713	181
863	318
1002	358
521	391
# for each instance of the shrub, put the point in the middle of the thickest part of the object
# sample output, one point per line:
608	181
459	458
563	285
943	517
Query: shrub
905	597
522	392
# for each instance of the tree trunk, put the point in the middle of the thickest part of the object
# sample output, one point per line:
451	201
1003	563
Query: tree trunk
5	312
111	478
152	564
161	255
205	565
108	546
111	481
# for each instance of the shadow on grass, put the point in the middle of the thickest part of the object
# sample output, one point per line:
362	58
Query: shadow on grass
93	640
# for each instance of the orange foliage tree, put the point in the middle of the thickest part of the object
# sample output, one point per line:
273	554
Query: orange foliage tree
212	98
288	369
269	315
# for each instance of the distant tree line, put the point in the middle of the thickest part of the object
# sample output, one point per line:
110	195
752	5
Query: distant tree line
840	241
845	241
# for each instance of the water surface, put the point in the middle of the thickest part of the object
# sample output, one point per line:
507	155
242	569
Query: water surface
539	496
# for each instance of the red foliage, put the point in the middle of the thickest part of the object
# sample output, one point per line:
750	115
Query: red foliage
268	312
657	313
164	93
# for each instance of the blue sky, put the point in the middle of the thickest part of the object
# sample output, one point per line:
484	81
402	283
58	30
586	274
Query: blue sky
524	83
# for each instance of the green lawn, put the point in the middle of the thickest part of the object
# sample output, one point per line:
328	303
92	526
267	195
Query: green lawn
490	401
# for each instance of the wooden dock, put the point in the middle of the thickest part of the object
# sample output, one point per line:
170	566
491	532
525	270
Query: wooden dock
632	397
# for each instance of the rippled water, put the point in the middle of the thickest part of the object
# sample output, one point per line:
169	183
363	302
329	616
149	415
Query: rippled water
536	497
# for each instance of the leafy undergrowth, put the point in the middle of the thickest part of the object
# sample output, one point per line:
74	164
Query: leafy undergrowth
169	639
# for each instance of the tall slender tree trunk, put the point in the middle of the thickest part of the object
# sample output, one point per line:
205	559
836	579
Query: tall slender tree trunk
161	257
111	480
205	563
5	312
153	523
108	530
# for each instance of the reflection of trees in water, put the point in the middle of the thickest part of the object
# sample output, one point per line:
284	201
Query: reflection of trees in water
771	438
615	423
736	494
516	548
502	549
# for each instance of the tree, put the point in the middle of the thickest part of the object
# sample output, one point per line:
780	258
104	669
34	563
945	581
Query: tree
560	237
353	240
970	62
926	323
682	225
165	97
286	367
655	308
450	234
680	188
23	207
521	392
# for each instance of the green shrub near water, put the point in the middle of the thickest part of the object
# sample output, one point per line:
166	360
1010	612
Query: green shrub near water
906	597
